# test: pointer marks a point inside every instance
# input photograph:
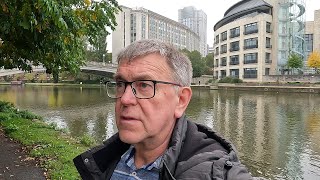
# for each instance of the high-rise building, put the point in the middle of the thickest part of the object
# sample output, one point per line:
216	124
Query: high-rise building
196	20
139	23
256	37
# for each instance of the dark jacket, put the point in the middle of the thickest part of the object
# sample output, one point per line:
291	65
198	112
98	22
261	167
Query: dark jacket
194	152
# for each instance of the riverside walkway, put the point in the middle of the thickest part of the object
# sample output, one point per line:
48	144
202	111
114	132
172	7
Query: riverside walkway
14	162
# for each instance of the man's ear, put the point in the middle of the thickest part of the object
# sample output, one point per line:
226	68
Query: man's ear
185	94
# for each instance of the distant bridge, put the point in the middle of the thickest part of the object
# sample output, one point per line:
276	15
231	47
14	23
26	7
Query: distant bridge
102	69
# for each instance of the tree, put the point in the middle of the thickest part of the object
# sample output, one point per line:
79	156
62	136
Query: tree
198	64
314	61
99	50
295	61
51	33
209	59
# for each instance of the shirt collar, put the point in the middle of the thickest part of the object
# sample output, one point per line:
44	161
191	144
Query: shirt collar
128	157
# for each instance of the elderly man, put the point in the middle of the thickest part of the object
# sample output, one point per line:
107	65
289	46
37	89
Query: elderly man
155	140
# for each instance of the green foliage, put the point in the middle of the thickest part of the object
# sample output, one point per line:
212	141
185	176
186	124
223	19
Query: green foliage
7	107
52	33
54	150
28	115
10	128
295	61
198	63
230	80
4	116
87	140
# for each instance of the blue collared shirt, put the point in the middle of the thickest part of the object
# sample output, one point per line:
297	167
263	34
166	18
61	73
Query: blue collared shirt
126	168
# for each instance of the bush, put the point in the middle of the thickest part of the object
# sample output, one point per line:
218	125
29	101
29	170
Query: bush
7	107
10	128
87	140
28	115
4	117
230	80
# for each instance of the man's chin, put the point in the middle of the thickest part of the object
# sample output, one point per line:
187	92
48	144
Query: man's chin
128	138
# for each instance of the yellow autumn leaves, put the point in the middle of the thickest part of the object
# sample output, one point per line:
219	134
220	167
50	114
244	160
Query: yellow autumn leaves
314	60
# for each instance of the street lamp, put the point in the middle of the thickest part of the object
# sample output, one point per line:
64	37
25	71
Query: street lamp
103	55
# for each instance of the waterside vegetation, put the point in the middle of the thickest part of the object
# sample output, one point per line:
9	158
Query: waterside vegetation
53	148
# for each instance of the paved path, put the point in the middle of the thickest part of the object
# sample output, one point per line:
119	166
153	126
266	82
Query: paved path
15	164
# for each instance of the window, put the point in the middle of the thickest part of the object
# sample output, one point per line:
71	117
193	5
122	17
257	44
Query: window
234	60
133	28
223	49
234	73
143	26
234	46
224	36
250	58
217	63
268	27
217	51
216	41
223	61
251	43
223	74
268	58
235	32
251	28
267	71
268	42
308	42
250	73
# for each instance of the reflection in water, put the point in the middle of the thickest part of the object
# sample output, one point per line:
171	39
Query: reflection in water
277	135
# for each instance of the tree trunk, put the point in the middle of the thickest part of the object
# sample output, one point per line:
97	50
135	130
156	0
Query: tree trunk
55	76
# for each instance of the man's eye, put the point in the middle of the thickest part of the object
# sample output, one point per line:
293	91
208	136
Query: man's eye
144	85
119	84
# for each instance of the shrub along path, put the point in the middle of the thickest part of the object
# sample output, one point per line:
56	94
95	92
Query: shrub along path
14	162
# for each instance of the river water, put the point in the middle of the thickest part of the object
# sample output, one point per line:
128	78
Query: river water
277	134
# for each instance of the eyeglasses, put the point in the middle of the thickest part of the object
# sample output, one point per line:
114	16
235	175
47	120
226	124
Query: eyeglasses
142	89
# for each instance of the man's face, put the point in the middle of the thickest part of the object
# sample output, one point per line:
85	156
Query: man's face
146	121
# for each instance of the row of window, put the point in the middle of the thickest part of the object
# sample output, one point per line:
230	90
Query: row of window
248	44
249	58
235	32
247	73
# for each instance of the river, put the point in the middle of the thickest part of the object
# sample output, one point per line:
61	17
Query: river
277	134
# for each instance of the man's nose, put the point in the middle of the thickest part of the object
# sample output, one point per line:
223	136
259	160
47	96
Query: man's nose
128	95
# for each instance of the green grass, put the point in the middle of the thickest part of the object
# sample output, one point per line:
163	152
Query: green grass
54	149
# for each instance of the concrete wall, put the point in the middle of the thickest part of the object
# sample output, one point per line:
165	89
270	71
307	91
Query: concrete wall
292	78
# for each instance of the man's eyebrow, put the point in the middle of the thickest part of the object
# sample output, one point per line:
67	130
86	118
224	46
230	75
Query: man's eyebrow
138	77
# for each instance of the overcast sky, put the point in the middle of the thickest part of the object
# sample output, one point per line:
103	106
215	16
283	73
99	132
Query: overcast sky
213	9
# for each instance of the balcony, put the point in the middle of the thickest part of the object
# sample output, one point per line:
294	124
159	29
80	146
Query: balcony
234	35
250	61
234	63
268	61
250	47
234	49
223	64
269	46
251	31
249	76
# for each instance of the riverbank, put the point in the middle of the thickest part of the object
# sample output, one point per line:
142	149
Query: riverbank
52	149
291	88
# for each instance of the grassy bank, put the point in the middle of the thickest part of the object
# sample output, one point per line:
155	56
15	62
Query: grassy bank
53	148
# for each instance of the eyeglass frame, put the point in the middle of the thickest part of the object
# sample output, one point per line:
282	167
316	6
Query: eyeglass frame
126	83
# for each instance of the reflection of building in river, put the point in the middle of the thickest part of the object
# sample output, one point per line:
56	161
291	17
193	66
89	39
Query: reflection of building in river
270	128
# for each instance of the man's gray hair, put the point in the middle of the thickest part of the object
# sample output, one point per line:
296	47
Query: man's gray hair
178	62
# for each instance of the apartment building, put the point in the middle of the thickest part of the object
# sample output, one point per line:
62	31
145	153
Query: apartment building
196	20
255	38
139	23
